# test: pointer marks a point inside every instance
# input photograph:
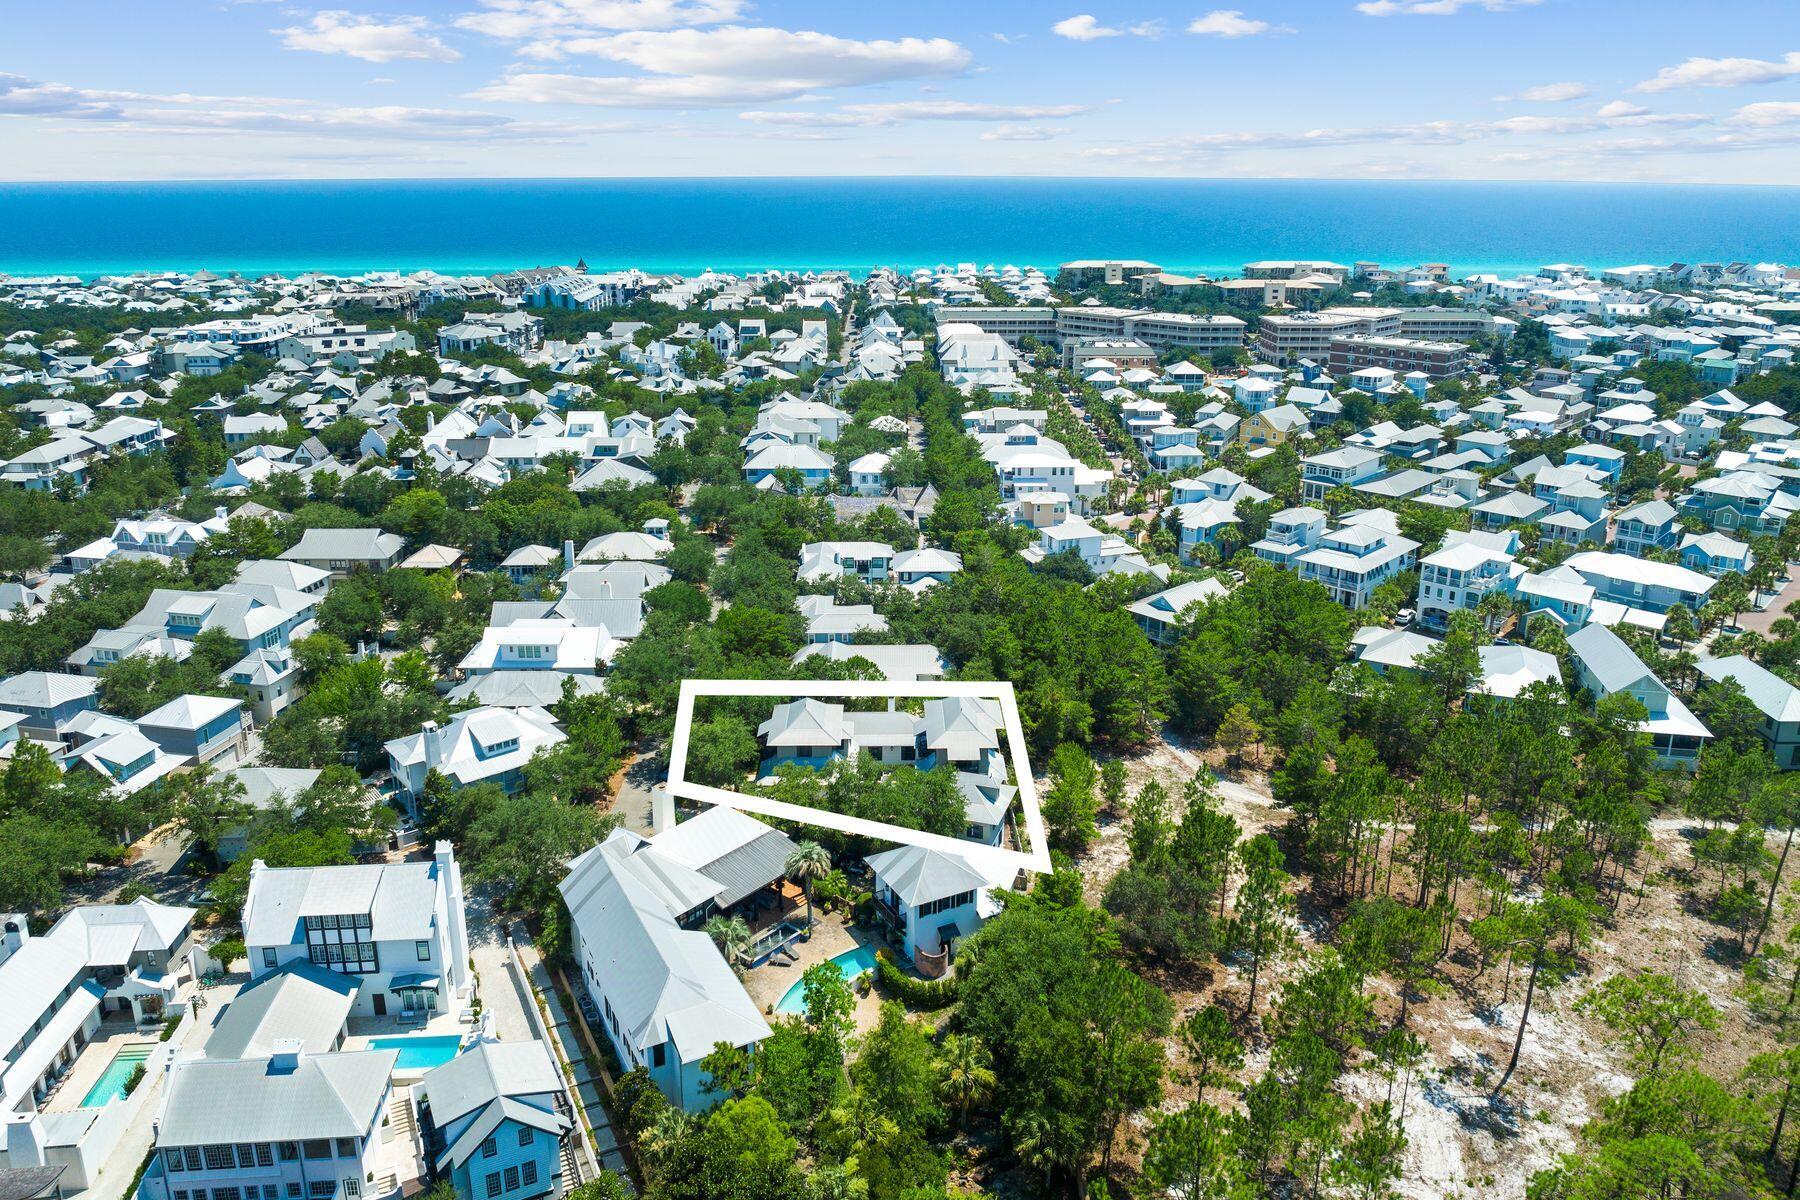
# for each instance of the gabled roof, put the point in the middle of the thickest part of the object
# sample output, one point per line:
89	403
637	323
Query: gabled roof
663	982
1773	696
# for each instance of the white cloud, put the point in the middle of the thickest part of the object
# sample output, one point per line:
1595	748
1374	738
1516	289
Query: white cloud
1550	93
728	65
1228	23
367	38
1722	73
1767	113
1435	8
519	19
1621	108
183	113
1021	133
864	115
1083	28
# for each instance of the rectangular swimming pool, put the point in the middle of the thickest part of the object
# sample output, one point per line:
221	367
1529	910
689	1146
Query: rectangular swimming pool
111	1084
419	1052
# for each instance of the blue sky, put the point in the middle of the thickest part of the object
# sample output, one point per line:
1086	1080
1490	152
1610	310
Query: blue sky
1652	90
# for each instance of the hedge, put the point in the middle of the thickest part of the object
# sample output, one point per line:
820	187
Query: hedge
922	994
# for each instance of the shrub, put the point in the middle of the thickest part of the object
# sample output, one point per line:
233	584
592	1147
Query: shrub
132	1080
227	951
922	994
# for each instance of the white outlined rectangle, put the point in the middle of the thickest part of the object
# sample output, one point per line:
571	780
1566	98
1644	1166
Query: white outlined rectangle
994	861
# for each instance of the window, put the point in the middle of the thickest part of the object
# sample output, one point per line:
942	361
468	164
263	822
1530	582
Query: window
318	1148
346	1147
191	1155
293	1190
265	1155
321	1189
289	1152
424	951
270	1191
352	1187
524	1135
528	1173
219	1158
246	1155
172	1160
490	1148
226	1193
493	1184
659	1054
512	1179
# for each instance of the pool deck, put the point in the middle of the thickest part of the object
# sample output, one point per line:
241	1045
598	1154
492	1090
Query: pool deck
91	1063
768	983
362	1030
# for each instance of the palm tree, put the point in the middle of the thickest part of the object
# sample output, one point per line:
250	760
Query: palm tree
808	862
732	936
968	1073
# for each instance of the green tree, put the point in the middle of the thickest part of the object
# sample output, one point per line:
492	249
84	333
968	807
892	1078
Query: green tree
965	1073
1260	927
1070	807
1656	1016
808	863
1543	934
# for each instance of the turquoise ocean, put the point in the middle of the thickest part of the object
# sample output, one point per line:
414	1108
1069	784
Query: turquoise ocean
688	225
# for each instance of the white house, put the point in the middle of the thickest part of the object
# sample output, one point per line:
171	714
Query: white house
399	928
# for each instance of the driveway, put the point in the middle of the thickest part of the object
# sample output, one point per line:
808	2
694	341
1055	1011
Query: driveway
633	800
500	994
162	864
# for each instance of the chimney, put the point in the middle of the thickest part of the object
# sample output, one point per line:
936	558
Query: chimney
220	512
430	420
450	874
568	555
285	1055
662	809
14	932
25	1144
433	744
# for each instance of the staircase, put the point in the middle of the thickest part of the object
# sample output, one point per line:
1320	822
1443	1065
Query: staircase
571	1170
401	1125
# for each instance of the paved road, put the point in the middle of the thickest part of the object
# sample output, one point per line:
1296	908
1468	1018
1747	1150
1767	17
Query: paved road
1759	622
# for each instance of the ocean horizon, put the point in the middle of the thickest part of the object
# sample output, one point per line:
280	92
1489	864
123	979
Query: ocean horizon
688	225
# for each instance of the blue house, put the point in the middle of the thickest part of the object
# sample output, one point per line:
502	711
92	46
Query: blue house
201	727
1606	459
46	700
1652	525
491	1124
811	464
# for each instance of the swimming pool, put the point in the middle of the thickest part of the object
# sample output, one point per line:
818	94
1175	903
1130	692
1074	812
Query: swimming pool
419	1052
111	1084
853	964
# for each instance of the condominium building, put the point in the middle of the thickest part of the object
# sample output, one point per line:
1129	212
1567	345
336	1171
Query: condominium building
1011	323
1285	338
1436	322
1439	360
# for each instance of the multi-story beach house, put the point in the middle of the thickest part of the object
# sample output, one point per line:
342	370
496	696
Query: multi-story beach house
398	928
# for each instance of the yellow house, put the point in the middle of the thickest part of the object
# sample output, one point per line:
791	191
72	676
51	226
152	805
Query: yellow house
1273	426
